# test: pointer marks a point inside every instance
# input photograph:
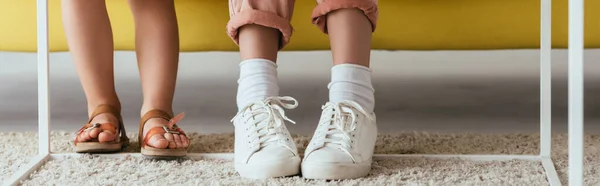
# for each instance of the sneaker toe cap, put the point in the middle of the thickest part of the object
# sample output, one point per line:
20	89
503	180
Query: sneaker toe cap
271	153
328	155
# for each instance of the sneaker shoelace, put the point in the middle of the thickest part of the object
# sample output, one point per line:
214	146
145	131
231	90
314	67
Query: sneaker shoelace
267	119
337	129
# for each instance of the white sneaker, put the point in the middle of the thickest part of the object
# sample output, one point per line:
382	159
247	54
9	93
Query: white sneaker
343	144
263	146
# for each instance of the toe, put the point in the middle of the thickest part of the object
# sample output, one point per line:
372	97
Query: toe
106	136
178	142
94	133
171	140
84	136
158	141
87	136
184	140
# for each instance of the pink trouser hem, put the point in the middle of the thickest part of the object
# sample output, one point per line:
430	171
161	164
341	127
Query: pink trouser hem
319	14
262	18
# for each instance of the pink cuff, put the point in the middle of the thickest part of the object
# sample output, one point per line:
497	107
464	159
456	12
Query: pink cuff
262	18
319	14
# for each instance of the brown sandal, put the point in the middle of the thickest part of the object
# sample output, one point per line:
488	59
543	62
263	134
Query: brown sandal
171	127
93	145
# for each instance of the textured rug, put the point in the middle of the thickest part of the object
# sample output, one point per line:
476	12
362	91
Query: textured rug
18	148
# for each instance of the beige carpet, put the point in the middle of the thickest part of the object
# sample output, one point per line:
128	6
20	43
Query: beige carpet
17	148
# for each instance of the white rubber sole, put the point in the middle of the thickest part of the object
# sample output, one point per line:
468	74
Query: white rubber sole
335	171
280	168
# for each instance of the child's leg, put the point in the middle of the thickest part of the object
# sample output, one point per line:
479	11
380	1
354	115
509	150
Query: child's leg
90	42
263	146
350	36
258	76
157	49
260	28
344	142
258	41
349	24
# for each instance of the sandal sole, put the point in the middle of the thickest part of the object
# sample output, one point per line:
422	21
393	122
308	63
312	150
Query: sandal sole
154	152
95	147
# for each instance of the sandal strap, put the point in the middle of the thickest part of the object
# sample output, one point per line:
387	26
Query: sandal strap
103	126
156	113
102	109
106	126
153	131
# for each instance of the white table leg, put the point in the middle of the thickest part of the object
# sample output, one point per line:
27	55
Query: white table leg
576	92
545	78
546	92
43	78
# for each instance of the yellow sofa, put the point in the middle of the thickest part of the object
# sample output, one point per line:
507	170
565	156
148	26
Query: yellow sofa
403	25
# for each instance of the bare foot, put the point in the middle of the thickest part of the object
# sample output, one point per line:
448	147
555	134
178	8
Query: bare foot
169	140
97	133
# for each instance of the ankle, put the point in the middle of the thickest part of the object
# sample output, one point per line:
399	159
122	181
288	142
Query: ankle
105	118
353	83
148	107
258	80
91	106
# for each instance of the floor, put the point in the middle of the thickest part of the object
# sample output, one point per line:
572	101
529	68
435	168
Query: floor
436	91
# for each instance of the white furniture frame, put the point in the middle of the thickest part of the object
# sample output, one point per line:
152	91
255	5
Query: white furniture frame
575	99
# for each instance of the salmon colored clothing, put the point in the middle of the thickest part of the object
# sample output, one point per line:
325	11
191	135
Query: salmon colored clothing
278	13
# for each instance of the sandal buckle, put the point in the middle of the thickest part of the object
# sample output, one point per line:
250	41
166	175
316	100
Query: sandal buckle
95	125
169	130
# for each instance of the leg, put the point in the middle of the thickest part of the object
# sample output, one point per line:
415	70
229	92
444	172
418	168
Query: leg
90	41
576	92
263	148
343	153
43	79
258	76
157	49
350	36
349	24
258	41
545	78
260	29
546	91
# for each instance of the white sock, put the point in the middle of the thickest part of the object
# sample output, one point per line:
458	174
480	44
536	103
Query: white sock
258	80
352	82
